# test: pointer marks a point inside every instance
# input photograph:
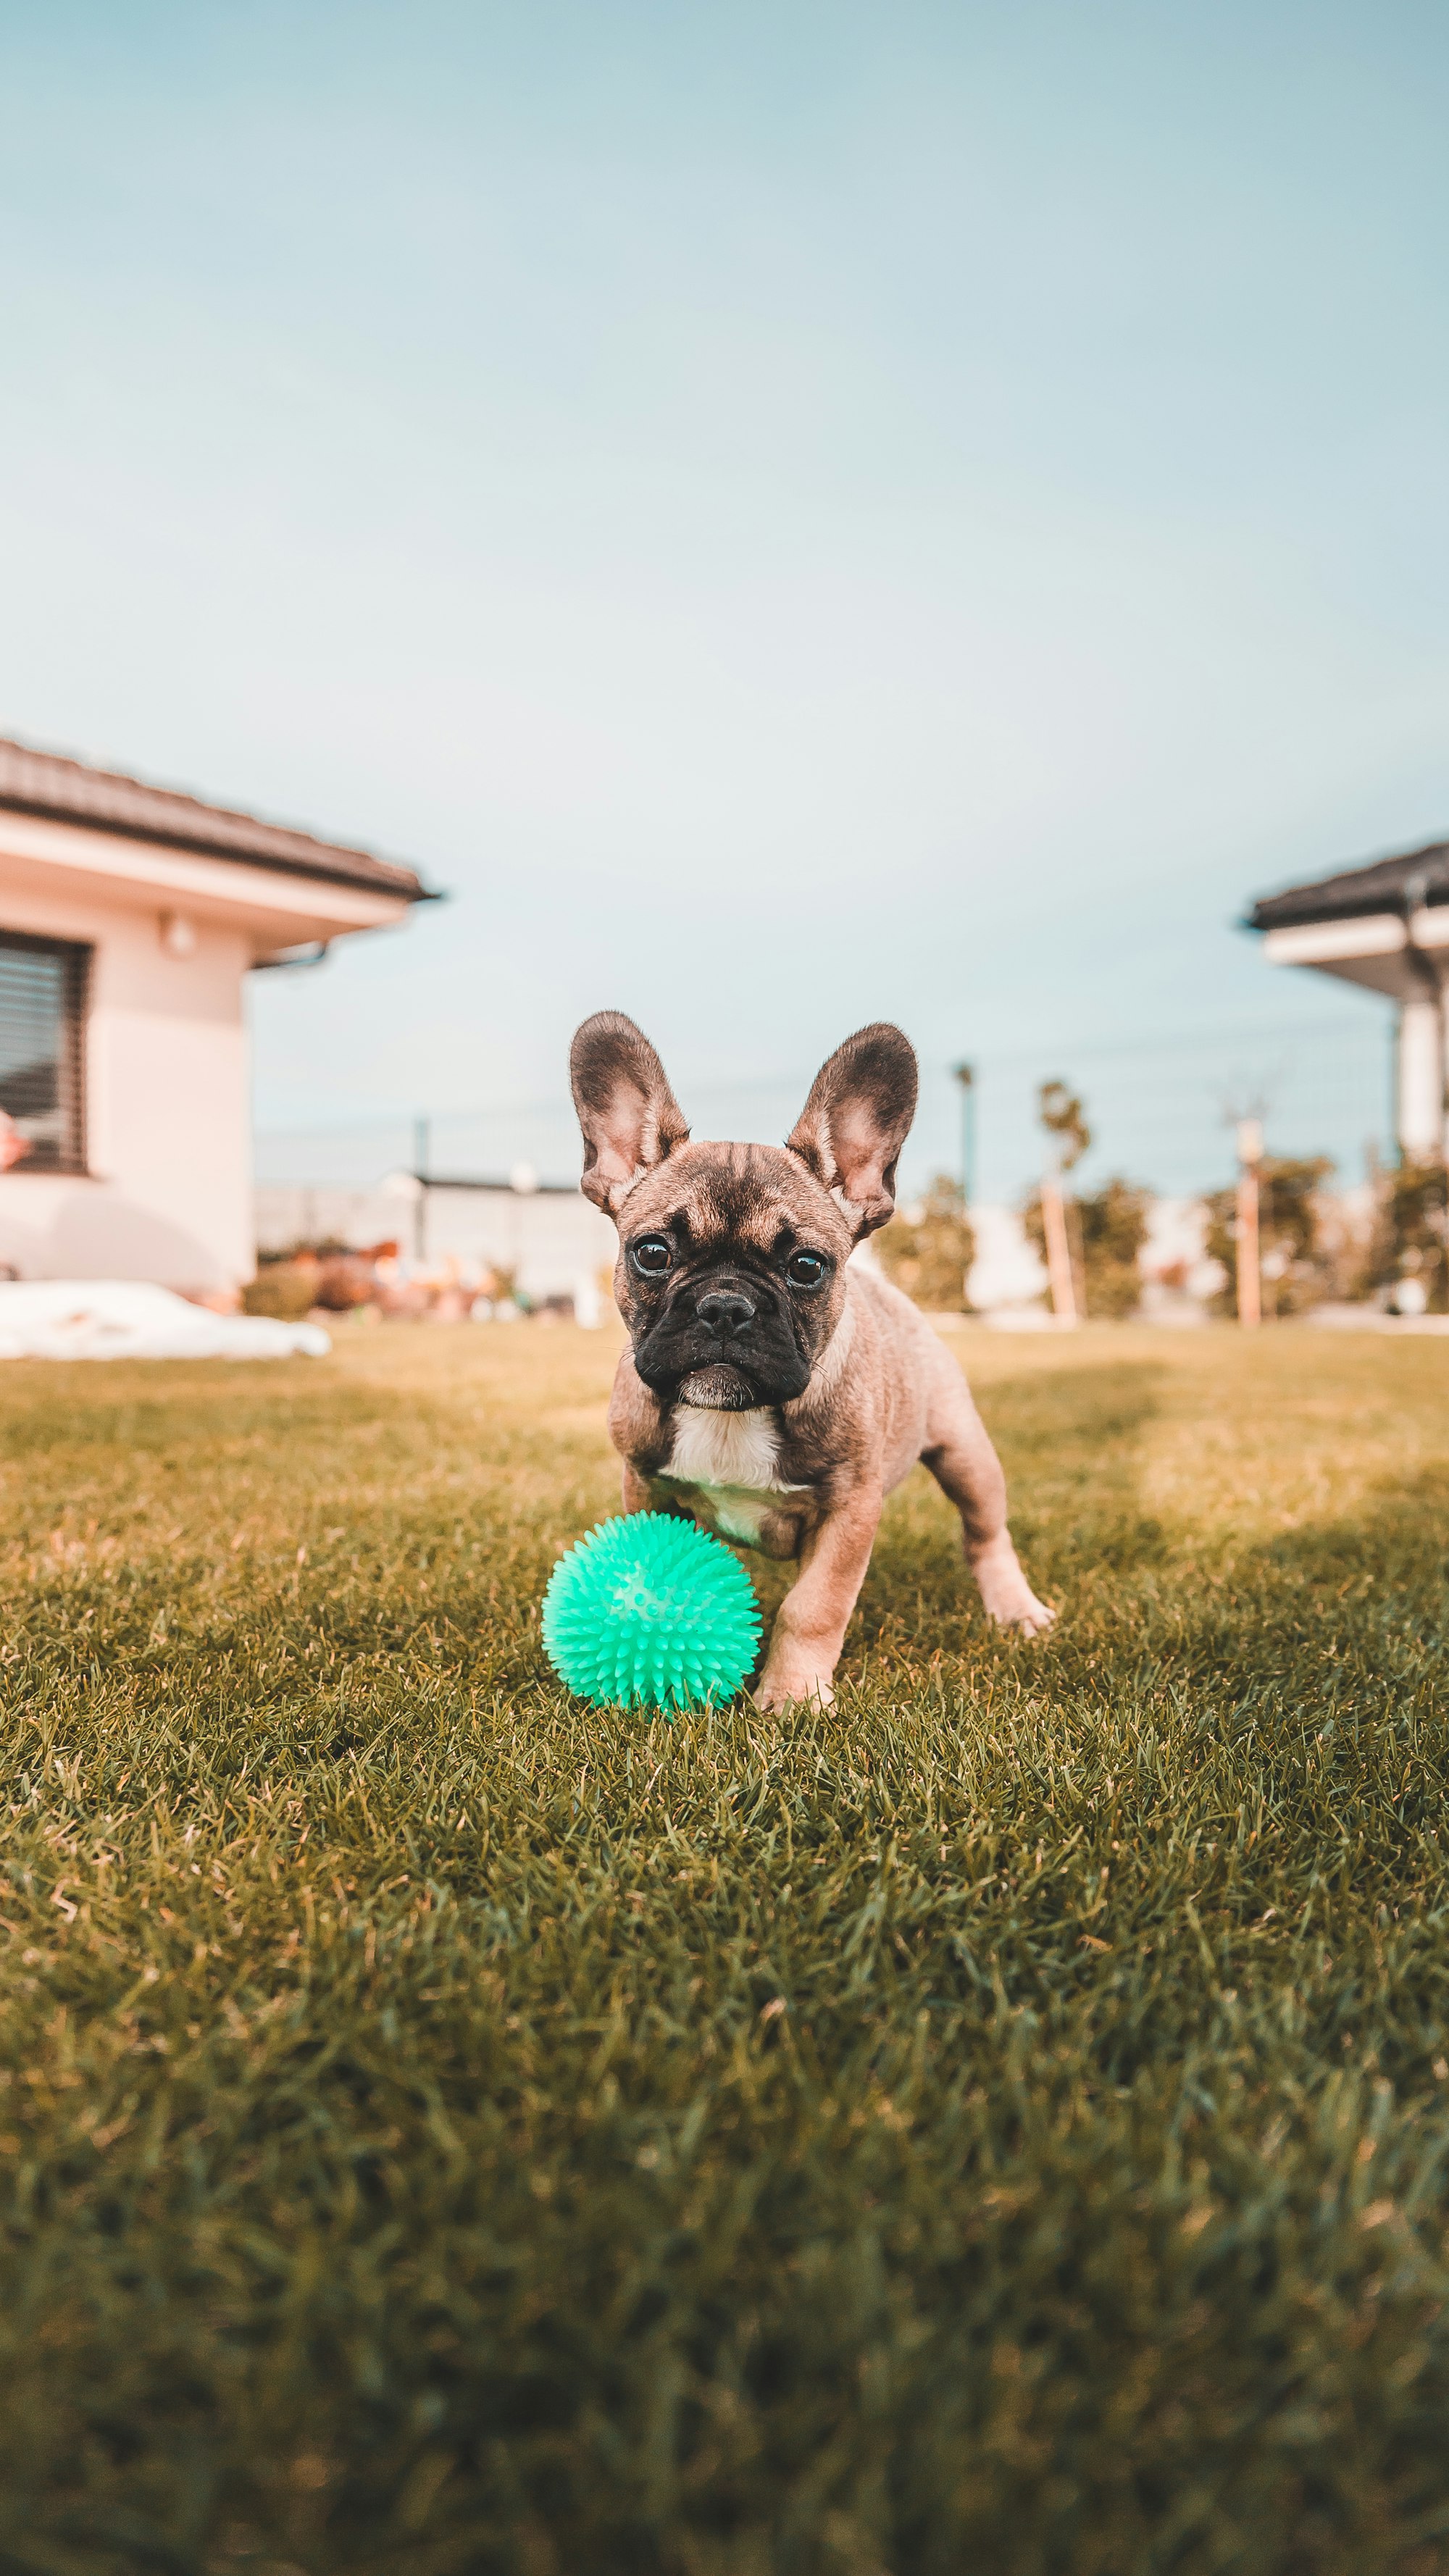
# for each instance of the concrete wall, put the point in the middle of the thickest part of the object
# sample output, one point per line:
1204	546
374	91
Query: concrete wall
168	1196
550	1238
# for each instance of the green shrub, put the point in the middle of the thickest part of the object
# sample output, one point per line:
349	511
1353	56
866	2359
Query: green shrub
930	1253
283	1289
1409	1237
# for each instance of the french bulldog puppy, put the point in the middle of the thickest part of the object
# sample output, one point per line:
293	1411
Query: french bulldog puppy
771	1392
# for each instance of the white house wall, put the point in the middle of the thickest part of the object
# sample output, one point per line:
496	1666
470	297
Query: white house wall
168	1145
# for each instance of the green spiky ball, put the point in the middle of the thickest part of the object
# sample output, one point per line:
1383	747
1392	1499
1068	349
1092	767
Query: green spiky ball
650	1612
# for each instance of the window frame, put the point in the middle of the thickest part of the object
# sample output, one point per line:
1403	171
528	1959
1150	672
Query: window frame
76	956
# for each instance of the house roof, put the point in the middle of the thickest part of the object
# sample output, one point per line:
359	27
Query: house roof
61	790
1381	886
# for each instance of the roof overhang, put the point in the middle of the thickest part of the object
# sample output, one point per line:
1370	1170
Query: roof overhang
277	909
1377	949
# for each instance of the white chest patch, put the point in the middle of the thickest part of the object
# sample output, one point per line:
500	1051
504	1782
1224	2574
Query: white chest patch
734	1457
724	1448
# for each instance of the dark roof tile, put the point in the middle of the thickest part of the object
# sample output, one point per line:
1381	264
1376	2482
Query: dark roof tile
1379	887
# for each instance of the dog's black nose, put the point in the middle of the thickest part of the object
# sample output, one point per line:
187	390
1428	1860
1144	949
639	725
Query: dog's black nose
725	1312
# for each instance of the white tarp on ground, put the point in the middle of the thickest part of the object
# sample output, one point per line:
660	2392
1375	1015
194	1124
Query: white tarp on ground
123	1319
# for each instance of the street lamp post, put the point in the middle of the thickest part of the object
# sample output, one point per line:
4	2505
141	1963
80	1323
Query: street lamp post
966	1076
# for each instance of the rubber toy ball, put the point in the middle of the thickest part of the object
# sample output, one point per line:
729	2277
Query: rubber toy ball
651	1612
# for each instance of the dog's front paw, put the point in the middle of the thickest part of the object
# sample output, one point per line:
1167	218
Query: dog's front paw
1023	1612
794	1686
1006	1596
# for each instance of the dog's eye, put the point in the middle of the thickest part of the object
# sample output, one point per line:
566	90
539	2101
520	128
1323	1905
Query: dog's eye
651	1256
805	1269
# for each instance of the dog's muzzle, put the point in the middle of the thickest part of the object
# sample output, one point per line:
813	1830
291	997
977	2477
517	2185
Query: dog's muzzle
718	1389
726	1346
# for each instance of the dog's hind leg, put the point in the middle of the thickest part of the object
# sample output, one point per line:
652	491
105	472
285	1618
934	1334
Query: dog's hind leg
966	1467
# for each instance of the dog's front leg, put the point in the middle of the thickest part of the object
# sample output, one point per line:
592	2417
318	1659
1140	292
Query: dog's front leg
813	1617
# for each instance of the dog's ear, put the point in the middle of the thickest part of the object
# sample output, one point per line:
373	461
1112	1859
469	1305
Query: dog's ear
858	1116
630	1117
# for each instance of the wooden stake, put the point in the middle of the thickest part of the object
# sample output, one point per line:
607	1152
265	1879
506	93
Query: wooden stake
1058	1253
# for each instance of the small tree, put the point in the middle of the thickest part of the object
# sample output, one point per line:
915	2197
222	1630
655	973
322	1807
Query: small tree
1063	1115
1110	1226
1291	1251
929	1250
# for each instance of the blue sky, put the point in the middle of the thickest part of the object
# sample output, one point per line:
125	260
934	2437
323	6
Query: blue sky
793	514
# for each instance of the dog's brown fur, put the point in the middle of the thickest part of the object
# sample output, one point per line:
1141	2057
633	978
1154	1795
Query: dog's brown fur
786	1412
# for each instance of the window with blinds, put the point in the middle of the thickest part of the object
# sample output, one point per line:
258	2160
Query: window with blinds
42	1066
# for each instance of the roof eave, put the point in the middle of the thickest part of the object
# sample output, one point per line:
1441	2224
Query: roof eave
1292	916
402	883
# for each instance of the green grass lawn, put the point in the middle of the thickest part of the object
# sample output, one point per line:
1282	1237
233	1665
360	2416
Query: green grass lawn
999	2127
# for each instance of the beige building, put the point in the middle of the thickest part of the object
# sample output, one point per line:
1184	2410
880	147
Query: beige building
130	918
1386	926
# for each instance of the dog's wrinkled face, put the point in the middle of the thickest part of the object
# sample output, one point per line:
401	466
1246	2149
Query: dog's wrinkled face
731	1257
729	1275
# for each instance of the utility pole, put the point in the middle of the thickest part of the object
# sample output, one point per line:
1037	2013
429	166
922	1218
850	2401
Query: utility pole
1249	1270
966	1076
422	1156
